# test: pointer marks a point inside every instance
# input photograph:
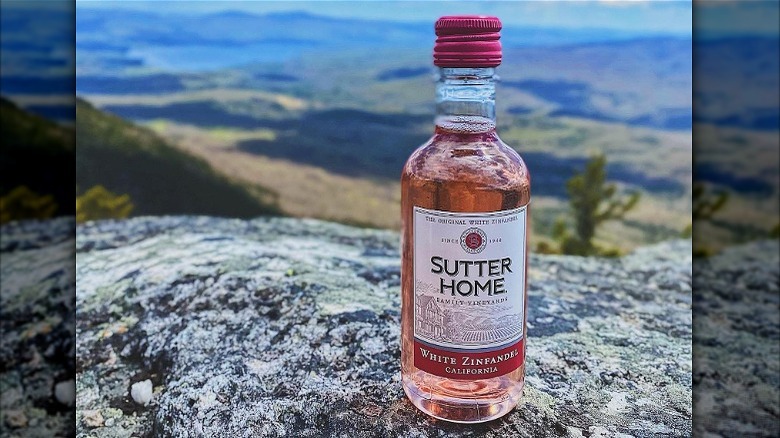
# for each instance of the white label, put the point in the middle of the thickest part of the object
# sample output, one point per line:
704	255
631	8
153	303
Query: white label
469	278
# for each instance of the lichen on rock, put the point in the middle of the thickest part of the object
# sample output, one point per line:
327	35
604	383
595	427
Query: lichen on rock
289	327
737	342
285	327
37	322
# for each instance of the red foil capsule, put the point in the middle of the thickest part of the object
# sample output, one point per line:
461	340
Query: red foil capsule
467	41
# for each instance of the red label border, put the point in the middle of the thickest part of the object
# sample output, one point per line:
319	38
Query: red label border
464	365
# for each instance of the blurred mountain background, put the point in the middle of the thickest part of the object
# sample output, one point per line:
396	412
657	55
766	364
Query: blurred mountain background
294	109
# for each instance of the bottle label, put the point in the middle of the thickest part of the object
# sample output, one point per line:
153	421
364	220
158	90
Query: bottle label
469	292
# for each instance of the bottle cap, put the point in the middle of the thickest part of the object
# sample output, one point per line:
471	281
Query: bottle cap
467	41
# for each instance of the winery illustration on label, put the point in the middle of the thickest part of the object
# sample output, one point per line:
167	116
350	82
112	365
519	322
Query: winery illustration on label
469	292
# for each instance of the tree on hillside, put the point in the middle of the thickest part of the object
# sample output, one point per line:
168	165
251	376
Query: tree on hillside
23	203
706	203
593	201
99	203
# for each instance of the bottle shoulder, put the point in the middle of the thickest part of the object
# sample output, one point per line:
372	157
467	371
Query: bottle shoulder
483	159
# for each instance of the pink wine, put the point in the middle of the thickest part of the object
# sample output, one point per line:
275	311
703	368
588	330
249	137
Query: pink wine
464	205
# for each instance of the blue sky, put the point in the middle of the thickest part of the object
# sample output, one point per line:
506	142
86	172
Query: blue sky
642	16
738	16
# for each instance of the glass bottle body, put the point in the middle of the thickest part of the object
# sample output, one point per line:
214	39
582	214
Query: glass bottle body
463	168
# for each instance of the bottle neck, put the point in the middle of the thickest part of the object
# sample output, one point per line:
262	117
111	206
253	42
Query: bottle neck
466	99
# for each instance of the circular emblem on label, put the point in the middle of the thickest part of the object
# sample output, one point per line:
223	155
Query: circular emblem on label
473	240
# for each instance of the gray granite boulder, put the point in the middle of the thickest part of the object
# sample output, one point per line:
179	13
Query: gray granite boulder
737	342
285	327
37	320
288	327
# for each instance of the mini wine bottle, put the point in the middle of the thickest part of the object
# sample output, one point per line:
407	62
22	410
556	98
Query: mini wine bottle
465	196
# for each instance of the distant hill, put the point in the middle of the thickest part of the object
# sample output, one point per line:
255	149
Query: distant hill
738	82
38	154
117	39
160	179
643	82
96	26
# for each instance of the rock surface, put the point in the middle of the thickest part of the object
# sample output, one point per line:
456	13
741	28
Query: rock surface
284	327
288	327
37	319
737	342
